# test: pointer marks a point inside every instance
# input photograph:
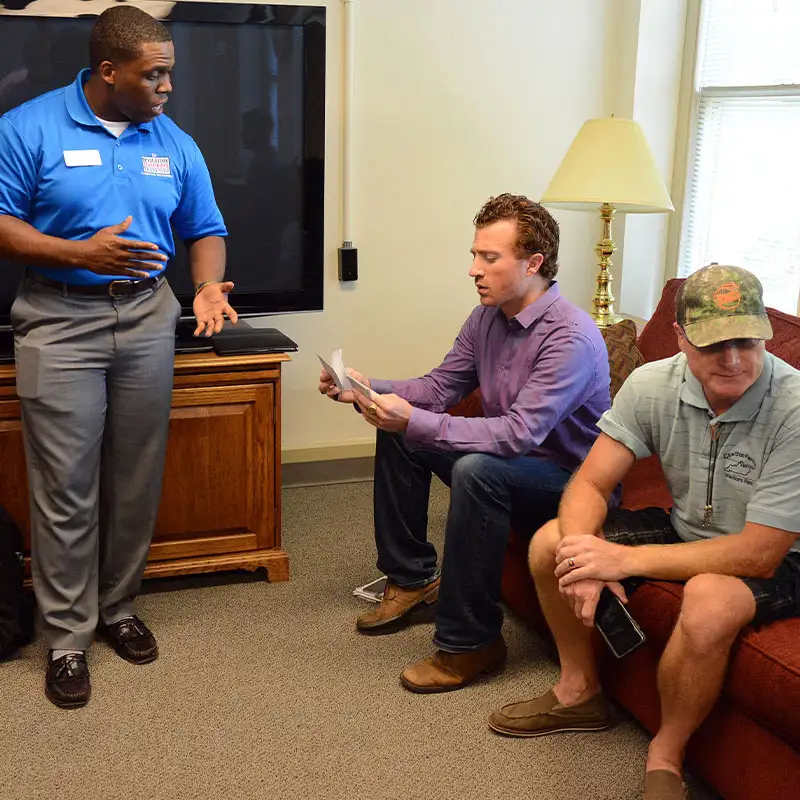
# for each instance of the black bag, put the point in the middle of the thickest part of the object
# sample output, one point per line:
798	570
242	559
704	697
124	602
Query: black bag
16	605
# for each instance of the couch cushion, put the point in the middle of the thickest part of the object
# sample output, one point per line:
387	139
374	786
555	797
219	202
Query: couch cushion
785	342
764	675
658	338
644	486
470	406
623	354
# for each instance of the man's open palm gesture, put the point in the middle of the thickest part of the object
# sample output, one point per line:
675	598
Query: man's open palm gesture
211	307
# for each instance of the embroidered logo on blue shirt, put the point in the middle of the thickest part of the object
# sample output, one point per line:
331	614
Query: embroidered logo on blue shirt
156	165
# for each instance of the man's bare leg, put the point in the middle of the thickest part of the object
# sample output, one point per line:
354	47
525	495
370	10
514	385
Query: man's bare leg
692	669
575	641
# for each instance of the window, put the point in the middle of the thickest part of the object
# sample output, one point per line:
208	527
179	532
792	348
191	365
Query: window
742	203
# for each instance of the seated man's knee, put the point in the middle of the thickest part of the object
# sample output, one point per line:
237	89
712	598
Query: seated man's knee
714	609
542	549
474	469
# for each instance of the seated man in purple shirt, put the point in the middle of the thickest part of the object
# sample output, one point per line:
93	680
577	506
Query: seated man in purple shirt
542	369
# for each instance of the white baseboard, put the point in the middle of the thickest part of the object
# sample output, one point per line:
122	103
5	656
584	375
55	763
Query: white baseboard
337	452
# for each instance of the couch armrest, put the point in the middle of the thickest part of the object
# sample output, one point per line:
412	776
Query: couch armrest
470	406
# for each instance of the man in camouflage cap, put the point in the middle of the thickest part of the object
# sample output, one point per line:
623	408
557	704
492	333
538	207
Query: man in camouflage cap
723	415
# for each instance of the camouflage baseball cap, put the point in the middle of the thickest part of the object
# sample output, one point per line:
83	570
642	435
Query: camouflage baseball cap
718	303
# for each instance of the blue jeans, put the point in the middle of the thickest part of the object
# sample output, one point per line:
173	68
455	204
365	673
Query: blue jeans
487	495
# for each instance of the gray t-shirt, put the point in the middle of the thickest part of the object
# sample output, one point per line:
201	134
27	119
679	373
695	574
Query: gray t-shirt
661	410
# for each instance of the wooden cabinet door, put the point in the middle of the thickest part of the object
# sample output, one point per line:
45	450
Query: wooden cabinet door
13	477
219	487
220	493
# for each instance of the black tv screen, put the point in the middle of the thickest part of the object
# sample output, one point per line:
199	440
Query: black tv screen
249	87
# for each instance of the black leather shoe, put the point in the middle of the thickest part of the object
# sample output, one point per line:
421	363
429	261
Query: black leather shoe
132	640
67	681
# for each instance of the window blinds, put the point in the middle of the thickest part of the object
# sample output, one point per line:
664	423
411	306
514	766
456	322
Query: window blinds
742	203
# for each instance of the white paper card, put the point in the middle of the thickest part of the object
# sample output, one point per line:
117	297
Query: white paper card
361	387
82	158
336	370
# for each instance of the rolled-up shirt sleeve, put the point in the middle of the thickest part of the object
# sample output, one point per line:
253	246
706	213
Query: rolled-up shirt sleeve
563	377
622	423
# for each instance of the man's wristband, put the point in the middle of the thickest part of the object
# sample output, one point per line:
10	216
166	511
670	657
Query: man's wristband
202	286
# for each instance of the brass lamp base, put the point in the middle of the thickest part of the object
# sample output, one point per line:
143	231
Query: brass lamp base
603	301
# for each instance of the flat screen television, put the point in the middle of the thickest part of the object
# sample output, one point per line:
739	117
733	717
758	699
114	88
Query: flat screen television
249	87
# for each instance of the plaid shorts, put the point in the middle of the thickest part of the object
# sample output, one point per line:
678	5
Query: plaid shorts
776	597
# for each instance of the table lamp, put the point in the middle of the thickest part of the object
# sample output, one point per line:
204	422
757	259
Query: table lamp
609	167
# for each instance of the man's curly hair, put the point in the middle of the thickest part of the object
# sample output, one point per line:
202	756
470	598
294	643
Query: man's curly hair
120	33
537	231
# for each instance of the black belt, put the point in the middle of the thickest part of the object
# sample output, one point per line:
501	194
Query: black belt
115	288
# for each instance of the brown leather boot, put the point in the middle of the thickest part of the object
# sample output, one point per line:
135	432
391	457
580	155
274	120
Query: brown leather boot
397	603
443	672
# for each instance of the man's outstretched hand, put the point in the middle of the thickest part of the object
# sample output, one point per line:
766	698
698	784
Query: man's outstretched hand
211	307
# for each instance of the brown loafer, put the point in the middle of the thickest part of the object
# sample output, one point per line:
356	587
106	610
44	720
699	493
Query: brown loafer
662	784
66	682
396	604
444	672
131	639
546	715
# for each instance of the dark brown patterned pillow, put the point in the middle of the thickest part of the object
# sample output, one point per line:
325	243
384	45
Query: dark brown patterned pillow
623	354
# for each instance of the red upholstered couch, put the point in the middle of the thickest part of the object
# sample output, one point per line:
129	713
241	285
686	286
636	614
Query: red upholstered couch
749	747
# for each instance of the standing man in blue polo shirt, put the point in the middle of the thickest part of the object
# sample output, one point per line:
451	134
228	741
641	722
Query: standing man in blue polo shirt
92	176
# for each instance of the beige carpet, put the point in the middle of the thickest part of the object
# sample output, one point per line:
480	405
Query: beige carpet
266	691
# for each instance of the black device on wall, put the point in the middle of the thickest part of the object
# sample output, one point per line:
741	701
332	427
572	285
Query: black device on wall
249	87
348	263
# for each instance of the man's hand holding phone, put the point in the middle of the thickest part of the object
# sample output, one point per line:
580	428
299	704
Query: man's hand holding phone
618	628
582	597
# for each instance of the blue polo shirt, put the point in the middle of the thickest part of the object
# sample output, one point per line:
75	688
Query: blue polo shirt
63	173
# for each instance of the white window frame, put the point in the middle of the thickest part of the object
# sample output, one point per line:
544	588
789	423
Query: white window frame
687	129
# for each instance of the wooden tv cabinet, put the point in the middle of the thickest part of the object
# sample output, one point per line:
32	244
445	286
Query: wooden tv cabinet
221	498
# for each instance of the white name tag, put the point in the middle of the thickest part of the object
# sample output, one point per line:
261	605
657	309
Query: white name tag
82	158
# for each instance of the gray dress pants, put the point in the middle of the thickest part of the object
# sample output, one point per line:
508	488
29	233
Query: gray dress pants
94	377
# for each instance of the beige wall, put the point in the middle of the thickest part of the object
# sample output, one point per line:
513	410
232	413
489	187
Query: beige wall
455	100
654	100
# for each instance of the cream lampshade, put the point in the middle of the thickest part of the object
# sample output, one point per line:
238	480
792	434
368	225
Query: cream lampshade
608	168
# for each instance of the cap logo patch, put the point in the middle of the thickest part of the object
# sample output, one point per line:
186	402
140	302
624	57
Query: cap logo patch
727	297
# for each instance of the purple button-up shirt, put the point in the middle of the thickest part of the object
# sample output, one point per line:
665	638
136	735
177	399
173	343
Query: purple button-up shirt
543	377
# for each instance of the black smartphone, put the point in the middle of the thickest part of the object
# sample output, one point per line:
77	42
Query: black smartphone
619	629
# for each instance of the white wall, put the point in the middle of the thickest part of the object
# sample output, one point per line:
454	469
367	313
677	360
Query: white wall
455	100
654	102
